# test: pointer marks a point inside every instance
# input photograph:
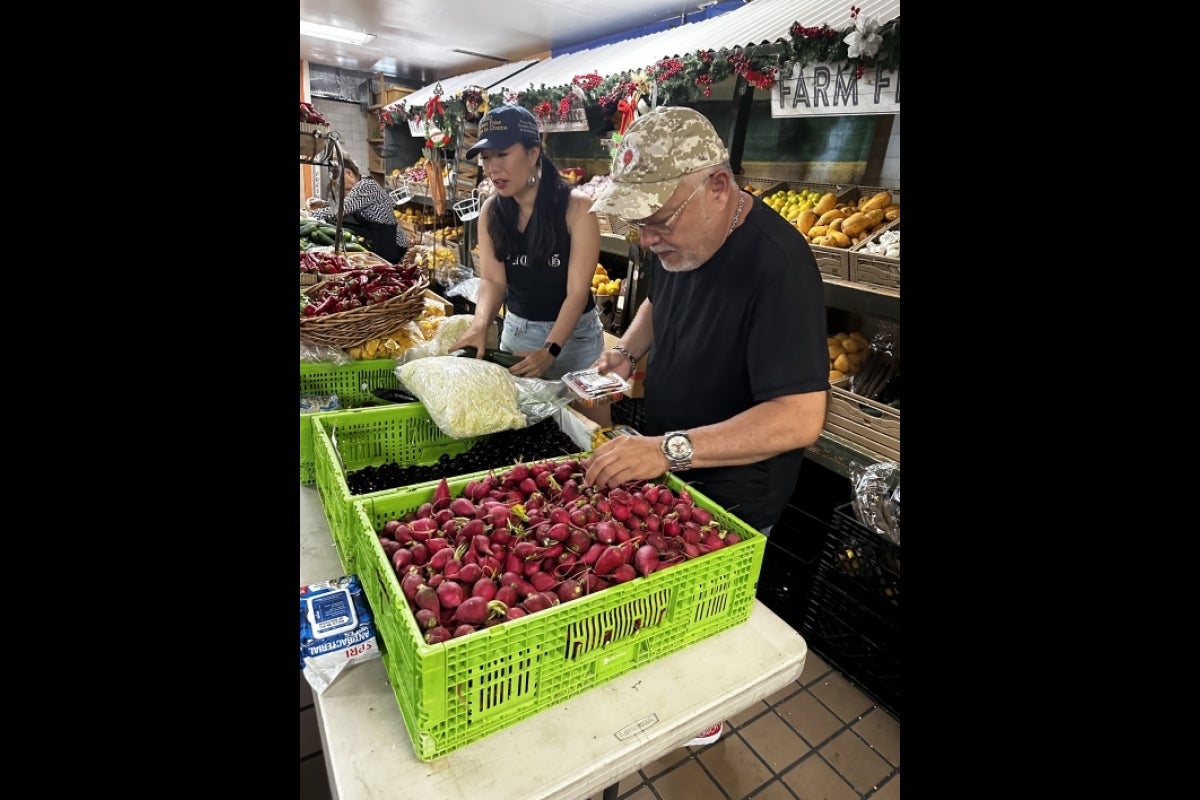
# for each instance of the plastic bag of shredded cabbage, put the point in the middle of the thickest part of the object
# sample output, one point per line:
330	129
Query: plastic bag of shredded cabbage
336	630
464	397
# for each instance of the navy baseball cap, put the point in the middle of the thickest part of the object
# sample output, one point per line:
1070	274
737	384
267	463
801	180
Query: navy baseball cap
505	126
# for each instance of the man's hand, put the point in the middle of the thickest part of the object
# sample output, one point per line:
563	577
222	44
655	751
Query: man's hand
624	459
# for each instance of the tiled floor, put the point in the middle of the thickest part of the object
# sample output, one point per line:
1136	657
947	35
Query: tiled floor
819	739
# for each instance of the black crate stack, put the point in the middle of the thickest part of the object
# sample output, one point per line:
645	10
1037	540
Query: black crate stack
853	615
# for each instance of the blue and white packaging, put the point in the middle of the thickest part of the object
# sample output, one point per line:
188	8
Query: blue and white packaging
336	629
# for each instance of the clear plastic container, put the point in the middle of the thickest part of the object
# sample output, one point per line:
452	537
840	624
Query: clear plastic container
594	389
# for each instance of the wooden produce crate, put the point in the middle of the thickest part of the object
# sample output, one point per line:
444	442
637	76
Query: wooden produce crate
832	261
873	269
871	426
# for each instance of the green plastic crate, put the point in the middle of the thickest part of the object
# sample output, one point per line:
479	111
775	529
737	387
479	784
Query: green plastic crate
404	433
457	692
346	380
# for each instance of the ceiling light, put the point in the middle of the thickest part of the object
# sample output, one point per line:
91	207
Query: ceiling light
334	34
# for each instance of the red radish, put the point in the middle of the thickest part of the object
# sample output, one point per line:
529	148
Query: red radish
569	590
389	546
559	514
442	492
490	565
403	534
485	588
426	619
462	507
470	529
543	581
410	583
612	557
578	542
691	550
691	533
605	532
426	597
401	559
682	511
526	550
420	554
425	510
532	566
652	523
506	595
442	516
713	541
539	601
438	635
640	507
650	492
646	559
470	573
390	526
435	580
570	490
732	538
552	552
701	516
502	537
440	559
473	611
423	528
513	562
593	553
558	532
462	630
595	583
624	573
450	594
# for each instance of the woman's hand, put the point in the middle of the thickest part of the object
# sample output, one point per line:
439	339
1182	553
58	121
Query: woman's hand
533	364
471	338
315	203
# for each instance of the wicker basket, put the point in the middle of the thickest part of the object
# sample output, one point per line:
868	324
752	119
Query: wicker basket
358	325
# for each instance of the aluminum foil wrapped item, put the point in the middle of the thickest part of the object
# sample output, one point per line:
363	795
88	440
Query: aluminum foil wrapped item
876	499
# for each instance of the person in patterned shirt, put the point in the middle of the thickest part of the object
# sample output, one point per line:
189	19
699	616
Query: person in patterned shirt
366	211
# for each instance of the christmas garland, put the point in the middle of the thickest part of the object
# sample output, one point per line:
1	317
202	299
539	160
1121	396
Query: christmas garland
679	80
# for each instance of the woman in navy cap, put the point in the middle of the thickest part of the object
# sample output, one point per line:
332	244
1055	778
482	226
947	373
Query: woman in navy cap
538	248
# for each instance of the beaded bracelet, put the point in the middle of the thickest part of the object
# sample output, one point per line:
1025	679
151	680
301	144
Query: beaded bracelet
628	355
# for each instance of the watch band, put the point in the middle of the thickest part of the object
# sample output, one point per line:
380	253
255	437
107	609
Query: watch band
553	348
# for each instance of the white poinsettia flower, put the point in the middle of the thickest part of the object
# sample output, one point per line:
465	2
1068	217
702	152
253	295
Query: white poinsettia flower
864	40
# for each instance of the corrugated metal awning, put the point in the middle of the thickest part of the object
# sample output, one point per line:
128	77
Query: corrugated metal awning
487	78
757	22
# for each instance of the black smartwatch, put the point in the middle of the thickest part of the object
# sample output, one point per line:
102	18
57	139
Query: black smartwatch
553	348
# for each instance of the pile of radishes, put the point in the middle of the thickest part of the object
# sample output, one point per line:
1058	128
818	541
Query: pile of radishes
533	537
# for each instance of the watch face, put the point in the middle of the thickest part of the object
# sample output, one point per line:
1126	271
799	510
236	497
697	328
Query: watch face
679	447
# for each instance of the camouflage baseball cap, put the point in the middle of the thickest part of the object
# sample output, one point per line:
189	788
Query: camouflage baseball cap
657	150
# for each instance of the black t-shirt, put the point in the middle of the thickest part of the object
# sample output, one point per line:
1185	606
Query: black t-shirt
745	327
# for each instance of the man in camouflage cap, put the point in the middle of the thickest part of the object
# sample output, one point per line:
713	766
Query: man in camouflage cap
733	325
656	152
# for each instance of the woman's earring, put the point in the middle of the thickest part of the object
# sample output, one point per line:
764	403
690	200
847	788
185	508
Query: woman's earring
532	179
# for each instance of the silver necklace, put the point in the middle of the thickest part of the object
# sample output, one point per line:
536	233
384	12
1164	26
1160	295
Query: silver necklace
737	214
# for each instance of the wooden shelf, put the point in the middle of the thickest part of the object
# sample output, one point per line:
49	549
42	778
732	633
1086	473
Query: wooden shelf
376	141
375	106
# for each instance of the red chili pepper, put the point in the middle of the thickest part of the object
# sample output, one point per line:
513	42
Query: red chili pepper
326	306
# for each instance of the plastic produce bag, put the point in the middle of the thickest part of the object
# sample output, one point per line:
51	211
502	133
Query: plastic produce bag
447	334
465	397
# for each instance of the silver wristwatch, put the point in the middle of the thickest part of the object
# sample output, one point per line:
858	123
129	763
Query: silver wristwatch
677	447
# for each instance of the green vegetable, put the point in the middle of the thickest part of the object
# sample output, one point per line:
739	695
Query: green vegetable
320	237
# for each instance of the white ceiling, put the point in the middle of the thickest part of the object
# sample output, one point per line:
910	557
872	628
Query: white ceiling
415	40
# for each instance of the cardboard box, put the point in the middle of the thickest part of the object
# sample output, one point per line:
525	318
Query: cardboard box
637	378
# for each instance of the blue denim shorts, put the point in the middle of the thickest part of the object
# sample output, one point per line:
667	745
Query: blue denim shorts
580	351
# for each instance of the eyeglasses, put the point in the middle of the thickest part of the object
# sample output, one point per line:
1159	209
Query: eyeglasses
664	228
